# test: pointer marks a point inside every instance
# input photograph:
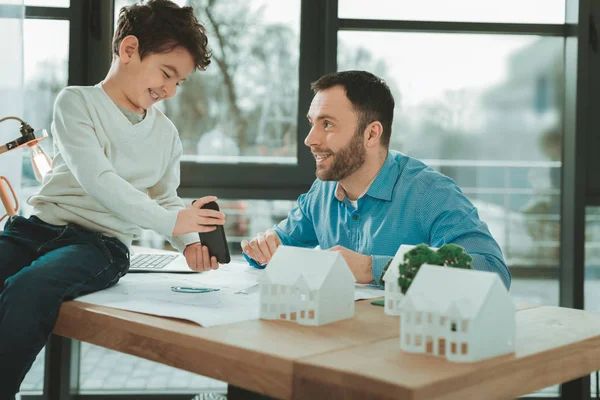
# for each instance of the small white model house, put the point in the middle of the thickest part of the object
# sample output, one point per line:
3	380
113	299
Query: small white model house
393	294
308	286
460	314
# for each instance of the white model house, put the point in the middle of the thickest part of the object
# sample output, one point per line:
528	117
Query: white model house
393	294
460	314
309	286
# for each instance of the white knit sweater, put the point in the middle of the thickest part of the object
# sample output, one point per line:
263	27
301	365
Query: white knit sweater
109	175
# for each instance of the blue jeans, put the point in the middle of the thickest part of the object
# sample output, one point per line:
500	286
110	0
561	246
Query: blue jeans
42	265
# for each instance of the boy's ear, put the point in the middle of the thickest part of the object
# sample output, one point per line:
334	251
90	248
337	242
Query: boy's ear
128	49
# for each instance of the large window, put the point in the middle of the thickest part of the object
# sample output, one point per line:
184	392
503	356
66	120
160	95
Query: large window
485	110
480	93
46	47
243	108
46	74
480	88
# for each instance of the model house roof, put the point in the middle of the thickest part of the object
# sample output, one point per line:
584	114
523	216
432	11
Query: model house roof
392	271
451	291
290	263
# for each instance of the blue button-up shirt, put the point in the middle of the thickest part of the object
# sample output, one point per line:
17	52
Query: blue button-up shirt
407	203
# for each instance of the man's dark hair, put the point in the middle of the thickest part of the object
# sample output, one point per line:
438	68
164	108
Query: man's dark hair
370	96
160	26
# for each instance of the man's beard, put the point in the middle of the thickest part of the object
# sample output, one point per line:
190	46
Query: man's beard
345	161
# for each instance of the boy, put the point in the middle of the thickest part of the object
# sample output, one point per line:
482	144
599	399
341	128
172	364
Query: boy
116	169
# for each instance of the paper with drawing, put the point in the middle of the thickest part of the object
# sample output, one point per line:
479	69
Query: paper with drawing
152	294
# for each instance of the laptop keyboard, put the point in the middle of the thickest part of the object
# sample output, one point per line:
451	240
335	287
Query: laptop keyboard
151	261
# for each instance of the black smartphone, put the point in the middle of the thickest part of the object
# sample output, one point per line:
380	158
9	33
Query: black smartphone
215	240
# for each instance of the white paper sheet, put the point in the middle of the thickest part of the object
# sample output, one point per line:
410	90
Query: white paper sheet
362	292
151	294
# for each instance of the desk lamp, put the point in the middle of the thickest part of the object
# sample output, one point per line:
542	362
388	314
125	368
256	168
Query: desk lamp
39	159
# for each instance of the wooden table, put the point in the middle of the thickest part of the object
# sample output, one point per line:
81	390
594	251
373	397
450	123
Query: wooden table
259	356
255	355
553	345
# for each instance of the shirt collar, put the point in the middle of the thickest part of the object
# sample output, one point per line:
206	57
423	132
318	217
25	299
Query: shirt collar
381	187
340	192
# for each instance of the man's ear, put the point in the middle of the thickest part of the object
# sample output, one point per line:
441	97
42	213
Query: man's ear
128	49
373	134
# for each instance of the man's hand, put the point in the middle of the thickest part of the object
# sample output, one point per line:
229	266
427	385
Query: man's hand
198	258
360	264
262	247
195	219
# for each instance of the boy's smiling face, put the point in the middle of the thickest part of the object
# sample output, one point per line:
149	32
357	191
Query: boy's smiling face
154	78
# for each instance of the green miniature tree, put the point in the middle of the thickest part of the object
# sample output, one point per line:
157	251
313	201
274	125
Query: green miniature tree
454	256
449	255
420	255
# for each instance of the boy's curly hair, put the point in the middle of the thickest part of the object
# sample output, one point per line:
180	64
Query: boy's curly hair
160	26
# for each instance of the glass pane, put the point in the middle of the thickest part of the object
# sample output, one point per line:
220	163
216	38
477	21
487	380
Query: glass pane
513	11
592	273
592	259
11	87
486	111
243	108
49	3
46	52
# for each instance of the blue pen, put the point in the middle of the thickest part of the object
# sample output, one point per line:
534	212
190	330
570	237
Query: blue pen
182	289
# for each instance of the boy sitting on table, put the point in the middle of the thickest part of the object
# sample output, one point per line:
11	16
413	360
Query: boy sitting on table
116	170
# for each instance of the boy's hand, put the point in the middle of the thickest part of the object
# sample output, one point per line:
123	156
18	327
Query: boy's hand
198	258
262	247
194	219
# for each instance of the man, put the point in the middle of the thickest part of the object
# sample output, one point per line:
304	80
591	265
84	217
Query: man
368	200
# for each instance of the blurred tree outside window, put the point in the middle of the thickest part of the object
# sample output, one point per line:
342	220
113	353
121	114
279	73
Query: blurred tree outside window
244	106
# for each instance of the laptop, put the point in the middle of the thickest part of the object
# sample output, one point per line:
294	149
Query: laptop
159	262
